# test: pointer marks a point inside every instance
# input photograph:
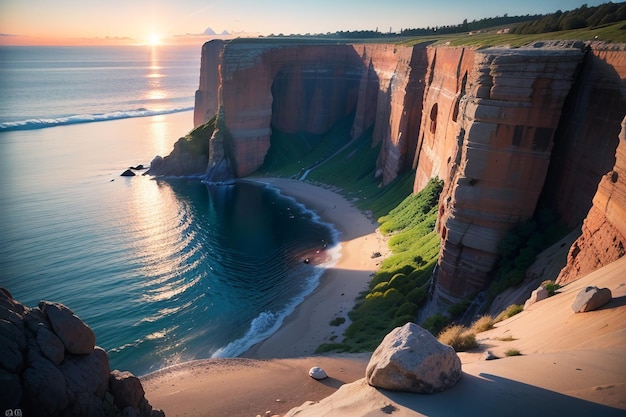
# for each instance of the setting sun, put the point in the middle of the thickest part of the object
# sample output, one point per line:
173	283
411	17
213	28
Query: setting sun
154	39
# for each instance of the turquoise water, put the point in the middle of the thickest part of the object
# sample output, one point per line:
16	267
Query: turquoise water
164	271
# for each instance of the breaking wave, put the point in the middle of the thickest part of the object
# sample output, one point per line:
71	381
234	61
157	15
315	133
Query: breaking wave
31	124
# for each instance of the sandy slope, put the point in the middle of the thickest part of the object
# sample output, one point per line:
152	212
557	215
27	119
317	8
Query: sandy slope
571	364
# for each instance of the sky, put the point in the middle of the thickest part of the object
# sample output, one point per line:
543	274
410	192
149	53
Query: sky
45	22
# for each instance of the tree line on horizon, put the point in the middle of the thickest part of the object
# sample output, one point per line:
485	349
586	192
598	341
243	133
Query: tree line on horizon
579	18
575	19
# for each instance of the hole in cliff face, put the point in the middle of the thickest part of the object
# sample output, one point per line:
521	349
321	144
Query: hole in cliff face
614	177
433	118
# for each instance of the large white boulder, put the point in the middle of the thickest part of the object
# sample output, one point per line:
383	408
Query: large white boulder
411	359
591	298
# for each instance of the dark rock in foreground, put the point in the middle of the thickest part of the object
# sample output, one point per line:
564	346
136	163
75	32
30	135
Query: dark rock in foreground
128	173
50	366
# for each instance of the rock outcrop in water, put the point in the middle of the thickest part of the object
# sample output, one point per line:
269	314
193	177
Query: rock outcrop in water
506	129
50	366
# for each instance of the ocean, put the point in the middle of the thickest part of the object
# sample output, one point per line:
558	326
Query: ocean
163	270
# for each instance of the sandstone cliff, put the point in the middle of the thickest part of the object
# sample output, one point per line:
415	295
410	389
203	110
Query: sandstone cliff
497	122
506	129
308	88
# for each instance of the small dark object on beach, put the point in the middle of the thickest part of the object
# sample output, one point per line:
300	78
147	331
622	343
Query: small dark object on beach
128	173
376	255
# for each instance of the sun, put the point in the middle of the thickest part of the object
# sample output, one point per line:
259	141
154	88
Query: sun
154	39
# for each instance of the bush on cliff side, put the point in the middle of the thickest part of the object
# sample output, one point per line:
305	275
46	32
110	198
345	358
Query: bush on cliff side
400	286
196	142
520	247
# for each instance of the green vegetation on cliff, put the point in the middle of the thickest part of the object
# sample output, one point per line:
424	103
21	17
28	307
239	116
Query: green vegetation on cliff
400	286
520	247
323	156
196	142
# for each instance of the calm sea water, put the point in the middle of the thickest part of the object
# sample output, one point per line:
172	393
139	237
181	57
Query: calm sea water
163	270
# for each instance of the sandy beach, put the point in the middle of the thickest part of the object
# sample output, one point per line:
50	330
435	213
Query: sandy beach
570	364
308	327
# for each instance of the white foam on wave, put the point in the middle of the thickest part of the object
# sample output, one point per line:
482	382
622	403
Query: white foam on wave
268	322
31	124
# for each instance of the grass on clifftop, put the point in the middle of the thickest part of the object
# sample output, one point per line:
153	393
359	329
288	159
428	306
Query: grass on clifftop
611	33
400	285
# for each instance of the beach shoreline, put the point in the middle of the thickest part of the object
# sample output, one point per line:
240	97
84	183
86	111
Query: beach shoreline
569	364
309	325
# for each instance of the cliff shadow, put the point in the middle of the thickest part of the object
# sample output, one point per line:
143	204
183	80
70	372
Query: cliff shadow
493	395
585	141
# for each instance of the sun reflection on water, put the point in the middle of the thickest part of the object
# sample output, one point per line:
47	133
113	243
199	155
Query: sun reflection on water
160	223
155	90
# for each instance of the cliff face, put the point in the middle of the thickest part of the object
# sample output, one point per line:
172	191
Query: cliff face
509	105
504	128
603	238
308	88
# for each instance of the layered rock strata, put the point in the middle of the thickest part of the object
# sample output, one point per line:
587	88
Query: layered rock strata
50	366
496	171
310	87
504	128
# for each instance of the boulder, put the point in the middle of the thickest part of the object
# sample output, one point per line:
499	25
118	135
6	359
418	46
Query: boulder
128	173
591	298
87	375
51	346
77	337
49	366
411	359
537	295
45	387
126	389
317	373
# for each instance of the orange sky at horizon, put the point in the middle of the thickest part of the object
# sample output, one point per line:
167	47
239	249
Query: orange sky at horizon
17	40
142	22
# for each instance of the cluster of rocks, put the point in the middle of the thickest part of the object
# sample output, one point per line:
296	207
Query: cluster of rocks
129	172
588	299
50	366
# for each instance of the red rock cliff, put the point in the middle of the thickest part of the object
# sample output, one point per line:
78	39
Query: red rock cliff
307	87
502	127
488	129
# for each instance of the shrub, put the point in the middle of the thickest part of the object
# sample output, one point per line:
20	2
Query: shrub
506	339
417	295
483	324
457	309
337	321
435	323
512	352
551	287
510	311
459	337
407	309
